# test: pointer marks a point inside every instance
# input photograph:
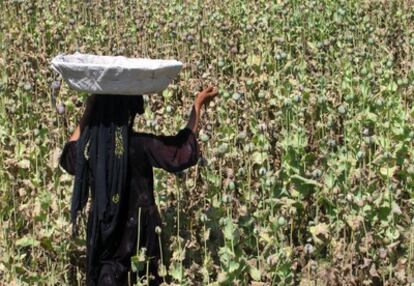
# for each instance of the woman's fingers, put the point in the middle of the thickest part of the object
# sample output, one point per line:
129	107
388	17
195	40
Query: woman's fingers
207	94
213	92
209	89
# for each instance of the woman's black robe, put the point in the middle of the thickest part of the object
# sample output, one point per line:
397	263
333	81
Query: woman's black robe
171	153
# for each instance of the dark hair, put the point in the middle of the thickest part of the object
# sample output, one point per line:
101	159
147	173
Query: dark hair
102	153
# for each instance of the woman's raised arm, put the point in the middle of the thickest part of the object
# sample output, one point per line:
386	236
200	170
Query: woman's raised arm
177	152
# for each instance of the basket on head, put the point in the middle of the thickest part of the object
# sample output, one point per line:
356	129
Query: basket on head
115	74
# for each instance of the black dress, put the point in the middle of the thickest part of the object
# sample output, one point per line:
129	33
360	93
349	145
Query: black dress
171	153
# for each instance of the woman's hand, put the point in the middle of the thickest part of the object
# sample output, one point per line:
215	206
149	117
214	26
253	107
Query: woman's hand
205	96
202	98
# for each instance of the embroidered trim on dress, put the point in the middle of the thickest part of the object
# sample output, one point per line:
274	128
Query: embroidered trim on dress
115	198
86	150
119	146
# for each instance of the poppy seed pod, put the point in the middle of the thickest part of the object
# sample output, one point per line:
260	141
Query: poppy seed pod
158	230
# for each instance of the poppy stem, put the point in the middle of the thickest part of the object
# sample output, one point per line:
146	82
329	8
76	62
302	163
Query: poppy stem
139	235
162	259
148	272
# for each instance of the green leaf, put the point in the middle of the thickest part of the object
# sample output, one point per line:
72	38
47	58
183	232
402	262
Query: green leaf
330	181
226	254
47	243
255	273
264	235
136	264
393	86
27	241
299	178
383	214
213	179
398	131
388	172
253	60
228	230
167	94
162	270
395	208
372	117
233	266
259	158
176	271
320	232
392	233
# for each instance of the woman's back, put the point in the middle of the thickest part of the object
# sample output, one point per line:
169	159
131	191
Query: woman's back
171	153
121	183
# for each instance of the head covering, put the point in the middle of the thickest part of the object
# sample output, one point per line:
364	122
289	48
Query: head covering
102	152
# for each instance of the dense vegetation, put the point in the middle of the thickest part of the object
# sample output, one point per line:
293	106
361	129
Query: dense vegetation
308	169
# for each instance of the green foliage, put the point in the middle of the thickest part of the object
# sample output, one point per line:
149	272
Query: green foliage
308	170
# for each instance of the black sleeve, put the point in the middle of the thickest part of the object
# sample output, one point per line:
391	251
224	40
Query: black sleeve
171	153
67	159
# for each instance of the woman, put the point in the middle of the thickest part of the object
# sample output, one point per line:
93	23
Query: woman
105	154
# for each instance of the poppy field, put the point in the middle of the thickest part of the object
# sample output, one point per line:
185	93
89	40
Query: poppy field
307	168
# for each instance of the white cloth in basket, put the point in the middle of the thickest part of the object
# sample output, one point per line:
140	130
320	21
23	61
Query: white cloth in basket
115	74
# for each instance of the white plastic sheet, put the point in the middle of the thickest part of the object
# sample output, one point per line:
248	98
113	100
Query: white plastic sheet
115	74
